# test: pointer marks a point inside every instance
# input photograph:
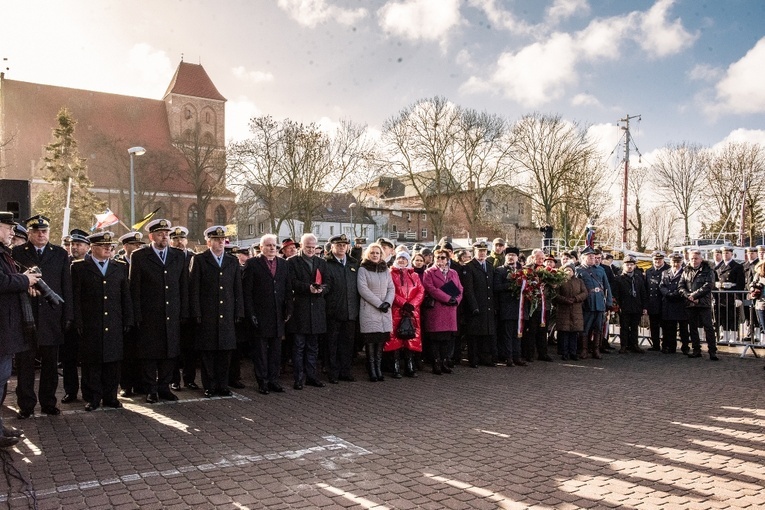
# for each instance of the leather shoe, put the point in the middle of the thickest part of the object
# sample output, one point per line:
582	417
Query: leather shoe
23	415
126	393
209	393
276	388
348	378
152	398
263	390
68	398
225	392
7	442
114	405
238	385
315	383
12	432
297	386
52	411
713	357
175	386
694	355
168	395
192	386
91	407
332	380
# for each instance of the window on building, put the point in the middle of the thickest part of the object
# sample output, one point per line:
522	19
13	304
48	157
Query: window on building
188	113
192	218
424	216
394	228
424	233
520	208
331	230
317	230
250	229
262	227
408	216
220	215
207	117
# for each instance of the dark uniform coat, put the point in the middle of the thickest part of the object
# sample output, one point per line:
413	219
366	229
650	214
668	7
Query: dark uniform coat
215	301
266	297
506	302
629	292
479	297
102	308
652	282
673	307
160	301
13	288
310	312
54	263
731	277
343	299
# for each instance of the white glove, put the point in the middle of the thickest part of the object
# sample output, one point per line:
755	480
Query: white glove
739	303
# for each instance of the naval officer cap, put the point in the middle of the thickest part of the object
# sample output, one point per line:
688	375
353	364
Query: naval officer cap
159	225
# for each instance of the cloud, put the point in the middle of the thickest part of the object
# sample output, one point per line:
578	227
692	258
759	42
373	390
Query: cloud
585	100
152	67
605	137
705	72
742	135
740	90
310	13
562	9
540	72
427	20
500	18
658	36
252	76
238	115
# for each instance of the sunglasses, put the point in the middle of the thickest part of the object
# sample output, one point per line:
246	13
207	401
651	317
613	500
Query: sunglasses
442	257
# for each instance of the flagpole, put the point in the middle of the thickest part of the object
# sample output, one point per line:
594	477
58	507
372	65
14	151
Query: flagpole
66	209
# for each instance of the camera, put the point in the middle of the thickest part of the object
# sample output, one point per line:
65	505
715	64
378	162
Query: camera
46	292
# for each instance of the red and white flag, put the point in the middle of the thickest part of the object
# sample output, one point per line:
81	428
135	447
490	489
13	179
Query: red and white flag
106	219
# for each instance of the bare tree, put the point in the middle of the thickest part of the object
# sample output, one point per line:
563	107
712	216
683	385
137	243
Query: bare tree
421	146
660	228
637	178
584	198
680	171
548	150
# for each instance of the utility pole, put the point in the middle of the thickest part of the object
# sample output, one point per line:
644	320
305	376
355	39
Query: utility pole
626	129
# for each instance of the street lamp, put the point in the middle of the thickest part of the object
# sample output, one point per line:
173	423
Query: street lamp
133	151
353	227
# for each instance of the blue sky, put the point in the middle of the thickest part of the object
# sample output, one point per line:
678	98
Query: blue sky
692	68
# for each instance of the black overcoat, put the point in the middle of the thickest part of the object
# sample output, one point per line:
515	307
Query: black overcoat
479	295
673	306
343	299
54	263
506	302
13	288
215	301
268	298
630	293
310	312
652	282
160	301
102	308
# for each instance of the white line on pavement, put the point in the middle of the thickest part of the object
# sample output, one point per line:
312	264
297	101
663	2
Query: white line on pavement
503	501
492	433
371	505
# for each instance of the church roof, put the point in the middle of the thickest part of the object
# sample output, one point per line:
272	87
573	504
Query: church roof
192	80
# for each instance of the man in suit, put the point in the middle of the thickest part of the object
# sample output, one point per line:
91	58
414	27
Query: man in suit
51	320
730	277
215	305
310	283
103	312
159	280
478	302
268	307
15	335
187	361
130	370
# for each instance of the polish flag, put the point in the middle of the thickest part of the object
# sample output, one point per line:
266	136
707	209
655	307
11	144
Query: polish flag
106	219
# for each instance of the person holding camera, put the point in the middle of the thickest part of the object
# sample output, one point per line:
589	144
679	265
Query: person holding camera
103	313
15	334
376	291
52	317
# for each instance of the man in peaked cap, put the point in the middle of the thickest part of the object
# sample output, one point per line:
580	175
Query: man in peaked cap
730	277
655	300
187	361
630	293
103	313
19	235
130	371
388	248
51	321
159	288
478	301
215	305
599	299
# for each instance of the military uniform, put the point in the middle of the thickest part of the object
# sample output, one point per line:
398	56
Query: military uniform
730	277
654	299
478	303
130	370
103	312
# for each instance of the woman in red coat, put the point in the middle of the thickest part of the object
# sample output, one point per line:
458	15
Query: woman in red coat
409	295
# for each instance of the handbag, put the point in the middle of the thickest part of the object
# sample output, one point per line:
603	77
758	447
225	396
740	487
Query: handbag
428	302
405	329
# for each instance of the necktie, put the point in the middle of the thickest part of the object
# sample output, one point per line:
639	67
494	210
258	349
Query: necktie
162	256
103	266
483	266
39	252
220	260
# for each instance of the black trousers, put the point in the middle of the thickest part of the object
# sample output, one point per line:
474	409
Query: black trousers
131	373
25	373
266	357
481	349
629	324
535	335
157	374
187	361
340	339
215	365
701	318
670	336
68	354
508	338
100	381
655	321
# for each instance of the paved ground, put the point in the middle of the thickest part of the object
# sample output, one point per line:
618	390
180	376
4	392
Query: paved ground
630	431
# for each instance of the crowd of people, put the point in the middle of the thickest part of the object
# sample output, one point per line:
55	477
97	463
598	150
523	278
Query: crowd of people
142	321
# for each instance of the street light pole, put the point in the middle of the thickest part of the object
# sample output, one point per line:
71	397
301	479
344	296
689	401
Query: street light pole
353	227
133	151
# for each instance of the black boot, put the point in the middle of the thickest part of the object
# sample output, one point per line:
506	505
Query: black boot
397	364
410	365
378	361
370	351
445	367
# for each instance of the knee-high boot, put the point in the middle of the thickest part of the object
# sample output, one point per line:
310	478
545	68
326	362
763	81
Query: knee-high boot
582	340
409	356
434	347
370	351
397	364
378	361
596	337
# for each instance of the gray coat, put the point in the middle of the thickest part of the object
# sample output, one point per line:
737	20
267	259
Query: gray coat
375	288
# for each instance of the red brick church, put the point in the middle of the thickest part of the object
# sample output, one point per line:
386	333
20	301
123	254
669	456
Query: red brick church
190	113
